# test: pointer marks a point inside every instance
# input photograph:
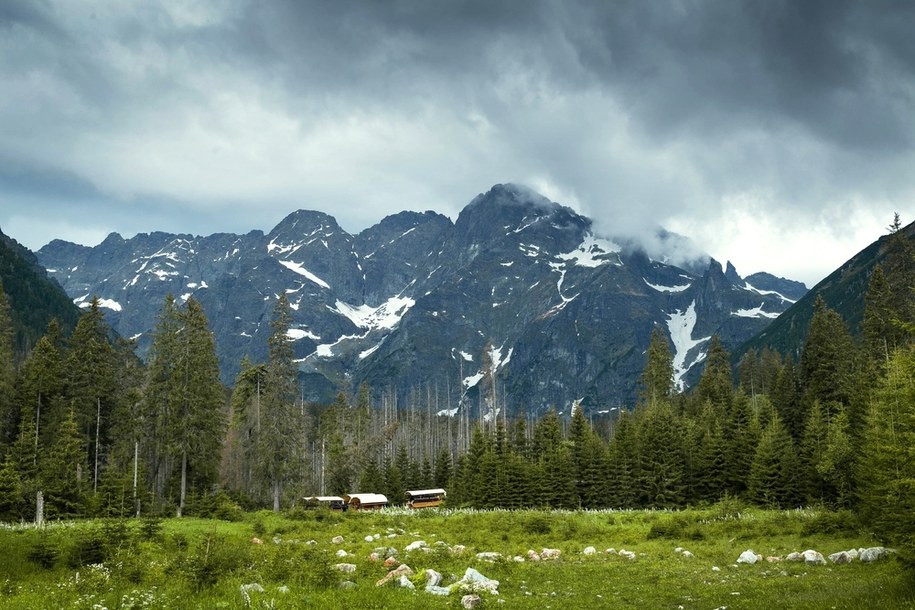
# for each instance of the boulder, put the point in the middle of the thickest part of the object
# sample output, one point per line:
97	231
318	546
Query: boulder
337	540
795	556
590	550
773	559
341	553
533	555
433	578
395	574
550	554
840	557
489	556
873	553
813	557
474	582
687	554
256	540
748	557
630	555
610	551
415	546
470	601
390	562
346	568
282	589
369	538
405	583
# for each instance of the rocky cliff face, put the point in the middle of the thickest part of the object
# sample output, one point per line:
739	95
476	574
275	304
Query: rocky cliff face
517	303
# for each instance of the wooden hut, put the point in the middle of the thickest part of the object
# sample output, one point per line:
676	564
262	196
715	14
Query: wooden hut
366	501
425	498
329	502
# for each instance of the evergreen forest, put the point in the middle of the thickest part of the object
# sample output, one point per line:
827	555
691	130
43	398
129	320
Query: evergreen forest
97	432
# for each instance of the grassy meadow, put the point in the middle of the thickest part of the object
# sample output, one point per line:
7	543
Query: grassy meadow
194	563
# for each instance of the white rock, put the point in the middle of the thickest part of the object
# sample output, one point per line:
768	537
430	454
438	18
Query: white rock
368	538
813	557
476	582
282	589
687	554
716	569
630	555
874	553
470	601
337	540
439	590
489	556
253	586
533	555
341	553
679	549
795	556
416	545
611	551
433	578
840	557
550	554
748	557
518	559
405	583
590	550
346	568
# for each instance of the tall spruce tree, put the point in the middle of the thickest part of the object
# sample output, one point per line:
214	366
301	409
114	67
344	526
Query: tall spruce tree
9	412
92	385
772	477
657	380
280	444
41	384
886	473
199	422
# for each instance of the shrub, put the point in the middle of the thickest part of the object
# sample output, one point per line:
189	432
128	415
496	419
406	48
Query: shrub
832	523
538	523
88	548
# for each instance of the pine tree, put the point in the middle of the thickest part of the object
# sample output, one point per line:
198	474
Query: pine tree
41	384
881	334
657	379
12	504
772	480
786	397
199	418
828	358
813	447
711	460
91	385
715	384
9	413
280	442
622	472
886	473
836	465
663	469
62	471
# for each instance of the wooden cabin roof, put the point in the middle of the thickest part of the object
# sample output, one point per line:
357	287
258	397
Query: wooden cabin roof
427	492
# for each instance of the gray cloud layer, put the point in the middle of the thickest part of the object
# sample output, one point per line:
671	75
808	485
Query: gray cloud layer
715	118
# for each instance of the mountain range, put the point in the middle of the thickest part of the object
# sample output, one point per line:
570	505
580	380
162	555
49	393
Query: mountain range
519	301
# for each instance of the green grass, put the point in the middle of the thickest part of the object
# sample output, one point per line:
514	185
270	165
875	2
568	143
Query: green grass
194	563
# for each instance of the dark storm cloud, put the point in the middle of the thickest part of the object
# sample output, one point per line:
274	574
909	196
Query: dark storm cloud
637	112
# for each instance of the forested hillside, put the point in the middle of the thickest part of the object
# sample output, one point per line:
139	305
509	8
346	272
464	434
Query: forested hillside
99	434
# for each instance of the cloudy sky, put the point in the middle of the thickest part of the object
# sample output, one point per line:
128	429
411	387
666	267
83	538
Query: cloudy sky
777	134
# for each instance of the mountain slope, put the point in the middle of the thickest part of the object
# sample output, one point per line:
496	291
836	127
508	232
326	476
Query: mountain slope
516	303
843	290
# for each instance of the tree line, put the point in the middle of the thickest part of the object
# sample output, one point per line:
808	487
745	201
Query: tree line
83	421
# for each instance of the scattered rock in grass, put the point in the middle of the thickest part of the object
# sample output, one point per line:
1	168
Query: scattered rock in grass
433	578
470	601
443	591
489	556
457	549
853	553
749	557
368	538
346	568
533	555
337	540
312	542
405	583
518	559
716	569
874	553
373	556
687	554
256	540
813	557
277	540
390	562
841	557
550	554
395	574
589	550
282	589
630	555
795	556
252	587
416	545
392	535
474	582
347	584
611	551
341	553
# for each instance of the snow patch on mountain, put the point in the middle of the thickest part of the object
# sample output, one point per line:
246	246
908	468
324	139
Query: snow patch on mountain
592	252
298	268
660	288
750	287
680	324
106	303
385	316
294	334
756	312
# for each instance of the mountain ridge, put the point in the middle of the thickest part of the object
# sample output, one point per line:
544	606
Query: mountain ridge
563	314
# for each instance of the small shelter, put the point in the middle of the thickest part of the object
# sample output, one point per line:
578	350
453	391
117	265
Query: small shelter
425	498
329	502
366	501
